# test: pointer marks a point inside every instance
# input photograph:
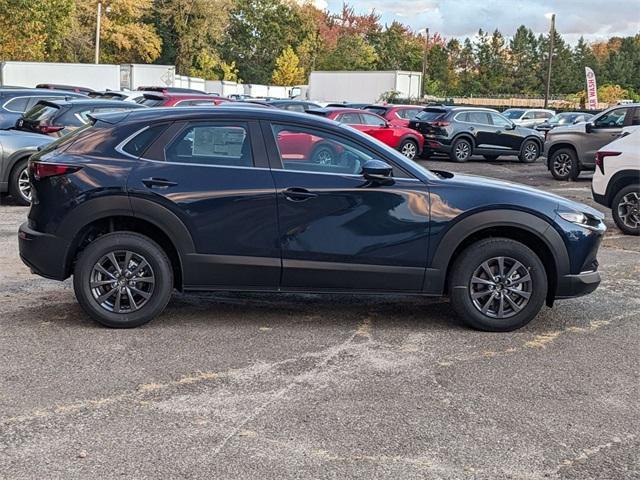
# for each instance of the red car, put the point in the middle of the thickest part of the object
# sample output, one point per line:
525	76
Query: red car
395	114
405	140
166	99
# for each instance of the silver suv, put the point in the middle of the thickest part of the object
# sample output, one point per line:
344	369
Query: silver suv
572	148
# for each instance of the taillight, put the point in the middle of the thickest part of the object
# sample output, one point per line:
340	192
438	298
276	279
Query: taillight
440	124
600	158
49	128
44	170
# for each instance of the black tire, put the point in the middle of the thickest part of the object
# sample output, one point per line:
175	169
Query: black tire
491	158
490	250
141	247
564	165
529	151
625	208
461	150
17	177
324	155
409	148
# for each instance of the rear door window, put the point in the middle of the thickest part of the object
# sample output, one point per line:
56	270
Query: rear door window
350	118
481	118
212	144
373	120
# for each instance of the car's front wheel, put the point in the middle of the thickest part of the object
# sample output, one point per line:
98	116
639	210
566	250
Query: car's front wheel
409	148
529	152
626	209
497	285
19	184
123	279
461	150
564	164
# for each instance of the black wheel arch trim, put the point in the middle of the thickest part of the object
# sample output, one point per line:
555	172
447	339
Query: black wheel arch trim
465	135
441	256
620	177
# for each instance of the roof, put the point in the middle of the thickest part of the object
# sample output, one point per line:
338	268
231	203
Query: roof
93	102
16	91
328	110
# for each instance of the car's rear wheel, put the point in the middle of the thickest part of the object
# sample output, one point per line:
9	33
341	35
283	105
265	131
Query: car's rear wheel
409	148
497	285
461	150
324	155
626	209
19	184
564	164
123	279
529	152
491	158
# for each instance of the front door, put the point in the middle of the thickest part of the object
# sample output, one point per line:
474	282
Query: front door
606	128
339	231
214	177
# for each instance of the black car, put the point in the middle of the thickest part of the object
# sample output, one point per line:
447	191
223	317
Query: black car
59	117
293	105
139	203
464	131
15	101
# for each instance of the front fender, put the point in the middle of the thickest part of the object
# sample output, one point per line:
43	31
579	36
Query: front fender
441	254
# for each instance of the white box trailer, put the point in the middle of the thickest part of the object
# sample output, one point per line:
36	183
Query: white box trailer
362	86
30	74
224	88
134	75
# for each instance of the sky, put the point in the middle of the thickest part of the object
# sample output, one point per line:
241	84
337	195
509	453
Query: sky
595	19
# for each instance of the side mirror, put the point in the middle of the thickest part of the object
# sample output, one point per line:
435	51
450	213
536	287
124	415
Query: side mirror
512	126
588	127
377	171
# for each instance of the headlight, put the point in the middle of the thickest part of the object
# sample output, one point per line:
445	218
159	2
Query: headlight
584	220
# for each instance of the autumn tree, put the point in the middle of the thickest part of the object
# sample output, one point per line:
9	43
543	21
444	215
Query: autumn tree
288	71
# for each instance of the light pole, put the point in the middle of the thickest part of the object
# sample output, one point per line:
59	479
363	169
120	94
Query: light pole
552	34
98	18
424	60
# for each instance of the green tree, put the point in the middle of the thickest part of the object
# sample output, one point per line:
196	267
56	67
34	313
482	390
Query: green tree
258	30
288	70
397	48
523	64
352	52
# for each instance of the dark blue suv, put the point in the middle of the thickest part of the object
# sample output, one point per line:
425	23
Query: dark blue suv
252	199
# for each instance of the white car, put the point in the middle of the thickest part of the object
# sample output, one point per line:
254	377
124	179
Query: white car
528	117
616	181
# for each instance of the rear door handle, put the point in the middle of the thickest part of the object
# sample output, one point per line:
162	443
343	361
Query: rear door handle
296	194
158	183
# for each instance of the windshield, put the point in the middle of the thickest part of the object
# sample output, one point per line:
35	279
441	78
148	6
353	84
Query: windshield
513	114
430	114
65	140
563	118
150	101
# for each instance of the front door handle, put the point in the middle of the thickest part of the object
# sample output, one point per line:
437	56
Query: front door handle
296	194
158	183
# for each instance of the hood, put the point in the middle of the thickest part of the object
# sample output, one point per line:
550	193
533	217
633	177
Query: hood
569	129
524	193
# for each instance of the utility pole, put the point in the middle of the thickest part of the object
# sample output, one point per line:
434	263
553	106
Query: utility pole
424	60
97	59
552	34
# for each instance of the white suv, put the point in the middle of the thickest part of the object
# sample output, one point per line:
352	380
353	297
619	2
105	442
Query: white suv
616	181
528	117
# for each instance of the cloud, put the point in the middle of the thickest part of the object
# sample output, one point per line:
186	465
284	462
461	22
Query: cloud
595	19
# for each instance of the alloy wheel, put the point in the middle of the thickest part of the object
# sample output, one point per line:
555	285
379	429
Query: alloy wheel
324	157
409	150
530	152
629	210
122	281
562	164
462	151
500	287
24	185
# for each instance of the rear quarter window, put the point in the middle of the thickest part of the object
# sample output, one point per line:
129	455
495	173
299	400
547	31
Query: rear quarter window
17	104
140	142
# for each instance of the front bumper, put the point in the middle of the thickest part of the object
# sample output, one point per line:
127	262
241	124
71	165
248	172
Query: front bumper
571	286
43	253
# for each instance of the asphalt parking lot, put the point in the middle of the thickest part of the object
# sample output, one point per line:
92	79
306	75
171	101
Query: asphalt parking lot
239	386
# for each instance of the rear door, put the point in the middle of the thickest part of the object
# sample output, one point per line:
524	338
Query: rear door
377	127
214	176
482	128
505	138
339	231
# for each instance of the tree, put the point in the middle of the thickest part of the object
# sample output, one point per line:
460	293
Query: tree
523	62
397	48
258	30
191	31
288	71
124	36
352	52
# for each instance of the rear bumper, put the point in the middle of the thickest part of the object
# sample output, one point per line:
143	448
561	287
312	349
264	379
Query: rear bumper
570	286
601	199
44	254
